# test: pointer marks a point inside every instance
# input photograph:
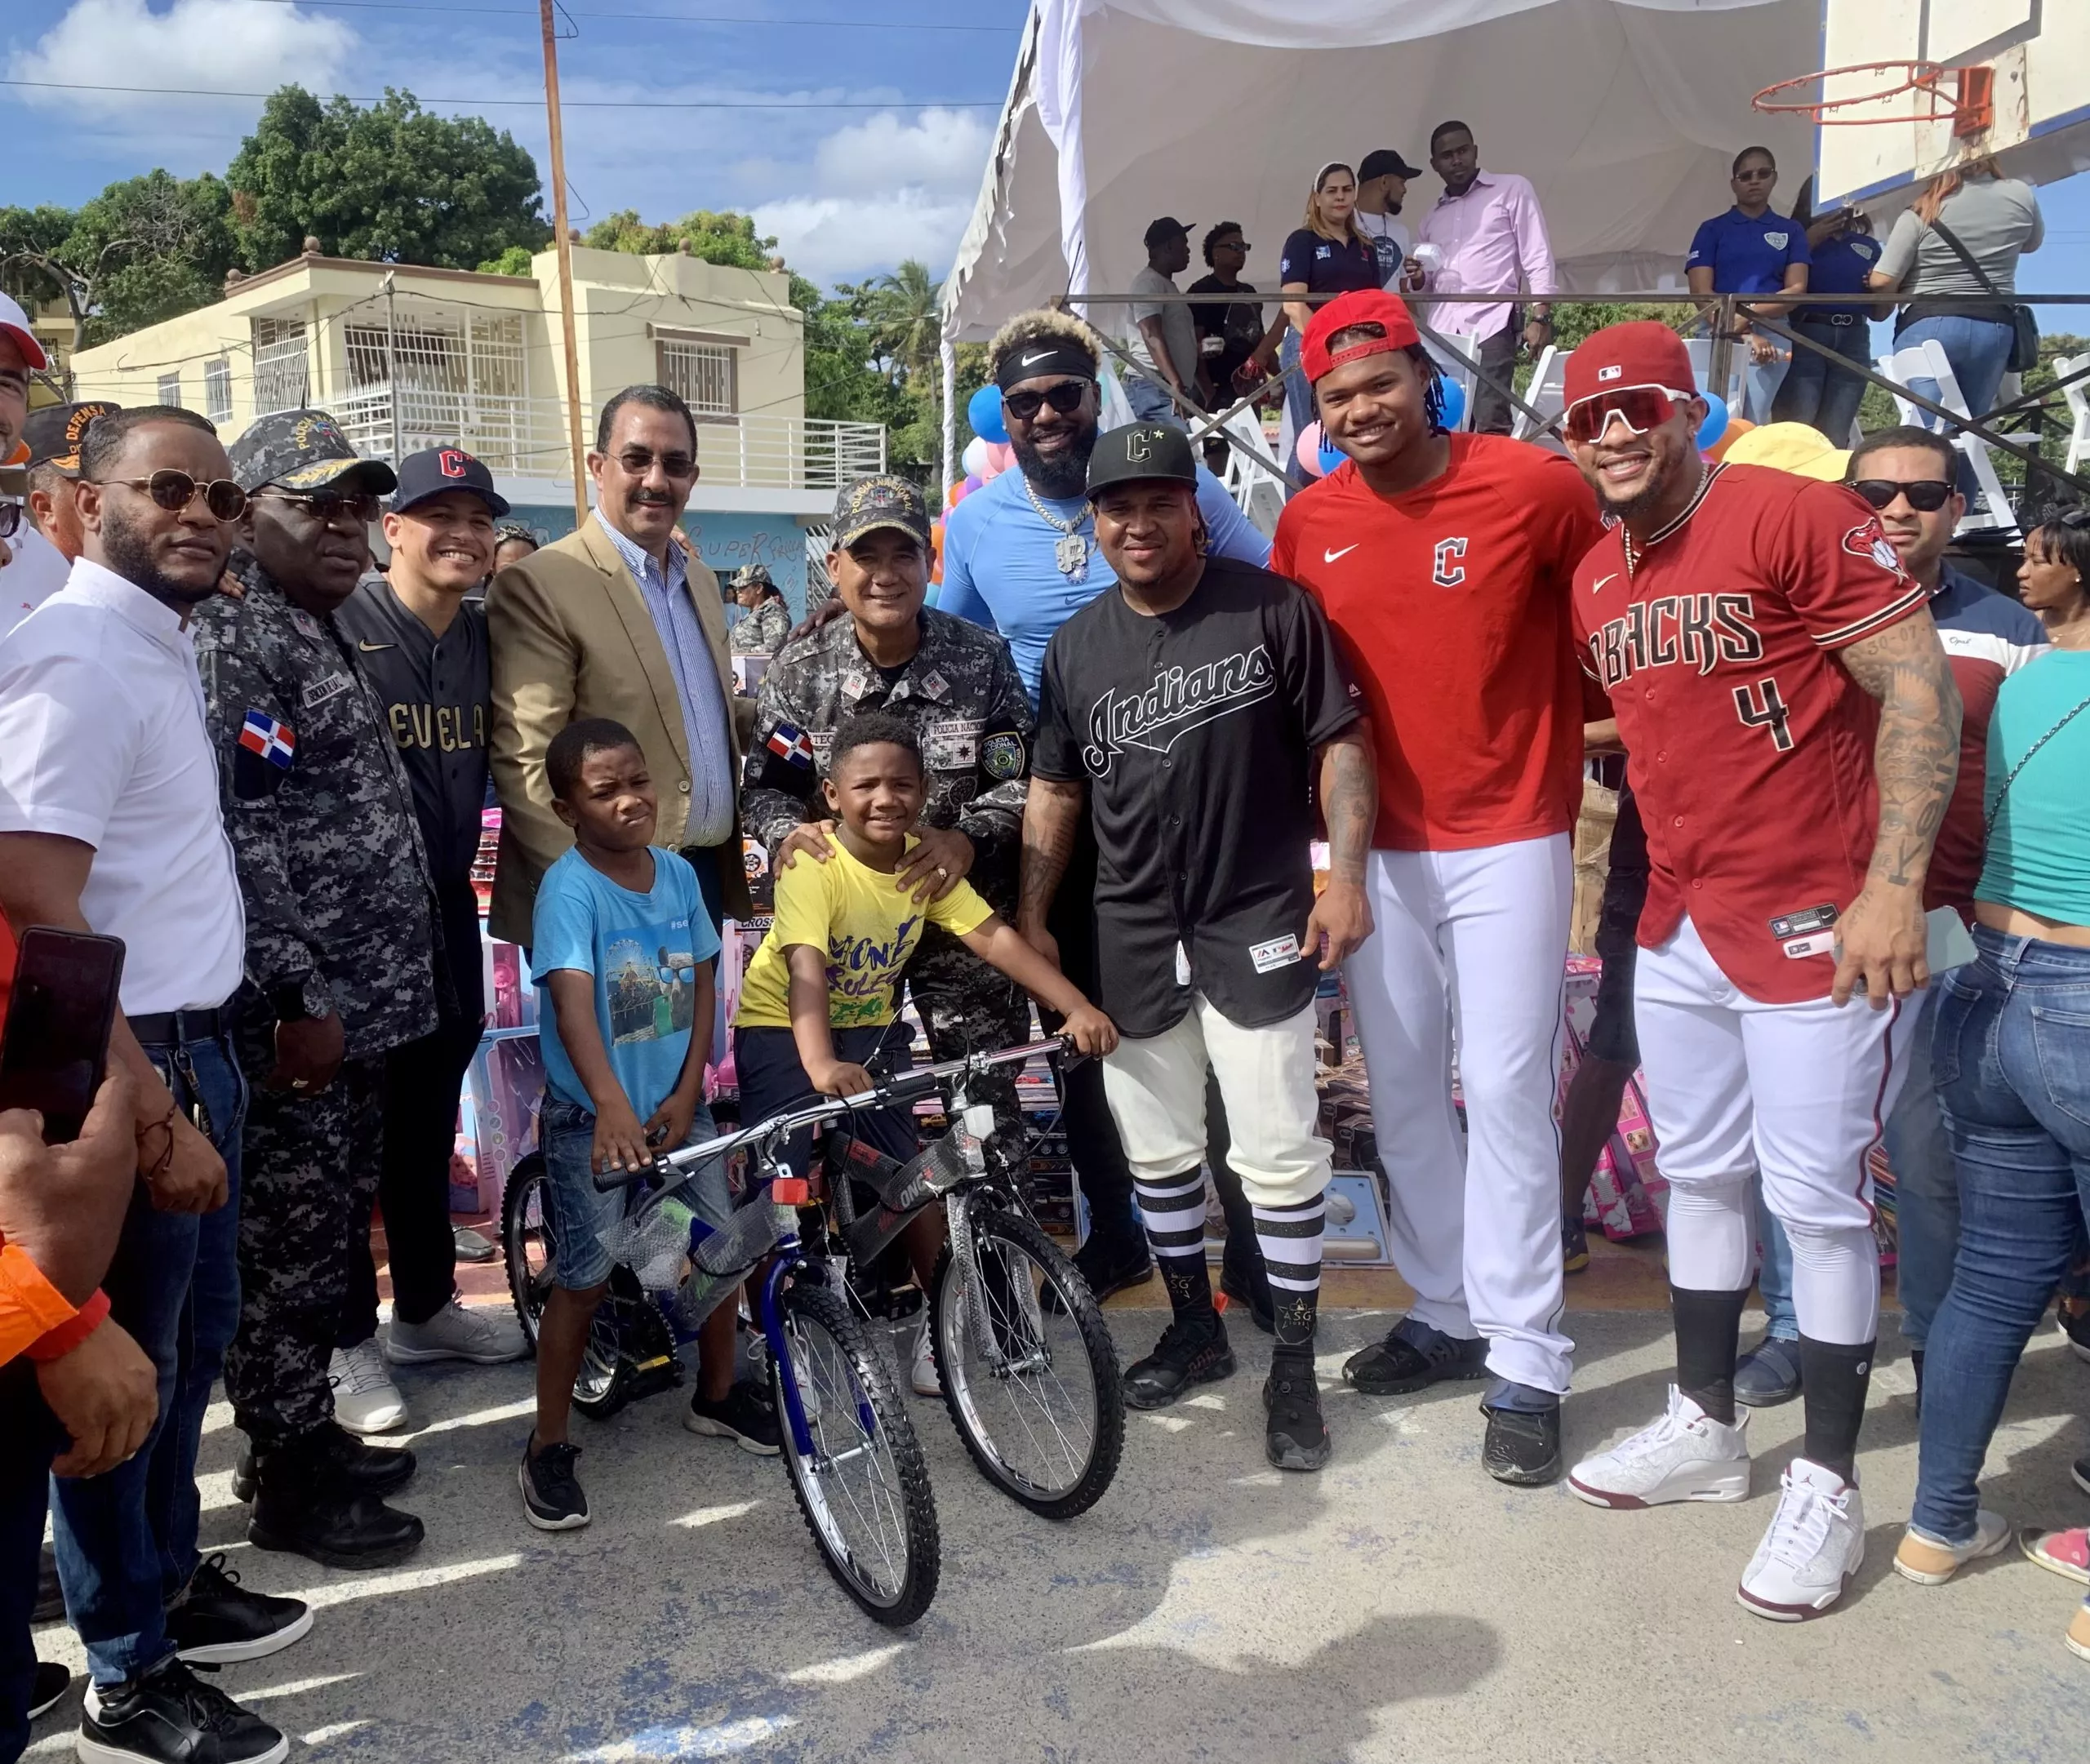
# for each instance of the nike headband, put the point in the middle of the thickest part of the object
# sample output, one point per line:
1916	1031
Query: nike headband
1043	355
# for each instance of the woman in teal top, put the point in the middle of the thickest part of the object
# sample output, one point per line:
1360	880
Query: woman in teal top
2011	1055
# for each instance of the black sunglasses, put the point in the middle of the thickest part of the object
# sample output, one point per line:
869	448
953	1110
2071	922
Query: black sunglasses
175	491
10	518
1926	496
1065	399
328	506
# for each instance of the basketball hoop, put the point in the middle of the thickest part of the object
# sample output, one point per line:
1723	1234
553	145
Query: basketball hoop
1968	105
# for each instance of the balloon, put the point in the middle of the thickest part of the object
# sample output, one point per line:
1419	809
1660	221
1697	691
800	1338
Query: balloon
1000	454
952	495
973	481
1329	456
1737	427
1454	394
1307	452
974	459
1715	424
984	412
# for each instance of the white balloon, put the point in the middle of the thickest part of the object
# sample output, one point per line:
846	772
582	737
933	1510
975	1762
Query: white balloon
975	457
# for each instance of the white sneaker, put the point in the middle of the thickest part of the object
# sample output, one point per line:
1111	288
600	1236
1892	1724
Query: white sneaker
366	1401
923	1376
1815	1544
488	1335
1686	1455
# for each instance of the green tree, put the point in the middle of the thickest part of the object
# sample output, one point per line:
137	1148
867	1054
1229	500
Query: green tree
724	238
514	261
392	182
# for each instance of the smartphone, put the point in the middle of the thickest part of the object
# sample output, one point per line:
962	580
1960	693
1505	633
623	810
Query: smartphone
59	1009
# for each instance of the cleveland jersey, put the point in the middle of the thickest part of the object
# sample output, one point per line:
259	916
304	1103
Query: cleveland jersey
1748	744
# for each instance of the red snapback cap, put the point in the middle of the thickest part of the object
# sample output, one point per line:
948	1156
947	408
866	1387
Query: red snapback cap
1360	306
1644	353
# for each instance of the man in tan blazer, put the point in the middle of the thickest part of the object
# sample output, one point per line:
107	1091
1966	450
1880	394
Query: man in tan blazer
618	619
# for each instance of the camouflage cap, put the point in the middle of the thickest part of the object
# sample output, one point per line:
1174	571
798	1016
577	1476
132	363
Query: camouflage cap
304	450
871	503
753	575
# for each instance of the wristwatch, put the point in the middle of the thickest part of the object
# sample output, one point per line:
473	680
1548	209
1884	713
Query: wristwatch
307	997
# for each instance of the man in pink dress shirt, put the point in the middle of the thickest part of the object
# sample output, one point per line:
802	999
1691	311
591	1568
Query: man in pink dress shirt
1487	227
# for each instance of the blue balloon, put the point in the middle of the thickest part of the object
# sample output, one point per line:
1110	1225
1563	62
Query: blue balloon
1715	424
1332	455
1454	393
985	414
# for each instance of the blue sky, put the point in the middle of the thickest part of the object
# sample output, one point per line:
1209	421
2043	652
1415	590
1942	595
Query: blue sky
871	171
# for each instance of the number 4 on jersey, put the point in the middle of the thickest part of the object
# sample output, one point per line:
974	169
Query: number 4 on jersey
1760	707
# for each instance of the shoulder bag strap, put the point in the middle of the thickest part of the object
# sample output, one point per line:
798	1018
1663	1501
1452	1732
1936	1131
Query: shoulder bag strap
1964	255
1995	808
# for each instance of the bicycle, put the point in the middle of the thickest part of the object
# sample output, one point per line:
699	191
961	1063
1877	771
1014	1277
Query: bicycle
854	1465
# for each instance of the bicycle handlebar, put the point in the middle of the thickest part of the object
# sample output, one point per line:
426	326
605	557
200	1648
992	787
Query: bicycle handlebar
903	1087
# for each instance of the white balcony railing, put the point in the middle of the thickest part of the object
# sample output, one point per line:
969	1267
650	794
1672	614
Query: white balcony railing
527	438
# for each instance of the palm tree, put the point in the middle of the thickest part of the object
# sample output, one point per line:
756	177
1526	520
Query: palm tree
904	310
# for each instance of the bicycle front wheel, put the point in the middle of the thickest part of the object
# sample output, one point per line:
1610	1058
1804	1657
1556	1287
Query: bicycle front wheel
864	1488
1035	1393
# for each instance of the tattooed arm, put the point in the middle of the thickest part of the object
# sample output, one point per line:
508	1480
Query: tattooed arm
1915	760
1052	818
1349	803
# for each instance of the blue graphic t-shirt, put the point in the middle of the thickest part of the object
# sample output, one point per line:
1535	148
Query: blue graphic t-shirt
643	952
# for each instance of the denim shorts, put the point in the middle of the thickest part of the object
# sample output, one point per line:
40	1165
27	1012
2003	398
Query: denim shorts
581	1212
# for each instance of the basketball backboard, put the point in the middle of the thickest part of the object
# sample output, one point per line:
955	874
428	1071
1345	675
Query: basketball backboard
2031	60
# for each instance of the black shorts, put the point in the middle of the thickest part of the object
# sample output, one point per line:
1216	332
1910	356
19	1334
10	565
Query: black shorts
1612	1034
772	1080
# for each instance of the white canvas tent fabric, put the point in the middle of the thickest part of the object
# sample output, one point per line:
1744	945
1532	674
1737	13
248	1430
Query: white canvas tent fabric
1624	114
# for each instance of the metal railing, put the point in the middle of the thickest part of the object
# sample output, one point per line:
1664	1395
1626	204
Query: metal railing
526	436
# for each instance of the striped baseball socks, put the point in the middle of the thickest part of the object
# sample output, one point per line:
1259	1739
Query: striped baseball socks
1174	1211
1290	1237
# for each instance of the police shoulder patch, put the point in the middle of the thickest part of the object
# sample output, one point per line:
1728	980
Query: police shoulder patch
1001	756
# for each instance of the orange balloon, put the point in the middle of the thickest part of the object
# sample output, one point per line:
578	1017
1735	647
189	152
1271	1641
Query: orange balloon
1737	427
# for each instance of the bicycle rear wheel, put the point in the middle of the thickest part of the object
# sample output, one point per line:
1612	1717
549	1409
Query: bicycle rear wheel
864	1489
1038	1401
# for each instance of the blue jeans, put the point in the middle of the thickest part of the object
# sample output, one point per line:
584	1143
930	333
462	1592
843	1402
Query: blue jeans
127	1540
2011	1052
1979	351
1816	391
1763	380
1926	1201
33	1439
1151	403
581	1214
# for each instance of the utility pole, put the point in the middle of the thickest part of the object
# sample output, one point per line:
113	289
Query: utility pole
392	362
565	267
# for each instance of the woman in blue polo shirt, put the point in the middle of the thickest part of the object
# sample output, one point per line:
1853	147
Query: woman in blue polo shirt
1328	255
1816	391
1752	249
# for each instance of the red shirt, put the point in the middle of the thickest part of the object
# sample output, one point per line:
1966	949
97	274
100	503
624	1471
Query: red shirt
1748	744
1452	602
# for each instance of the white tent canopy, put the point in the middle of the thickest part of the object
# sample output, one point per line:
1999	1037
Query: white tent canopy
1624	114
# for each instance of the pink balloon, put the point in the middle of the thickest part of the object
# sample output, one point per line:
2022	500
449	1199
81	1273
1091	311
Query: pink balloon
1000	454
1307	451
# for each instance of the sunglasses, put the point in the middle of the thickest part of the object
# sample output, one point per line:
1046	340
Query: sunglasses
175	491
638	461
1640	408
1926	495
10	518
1065	399
328	506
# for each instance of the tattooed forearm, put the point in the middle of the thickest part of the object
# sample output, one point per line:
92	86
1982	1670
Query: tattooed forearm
1916	757
1051	817
1349	800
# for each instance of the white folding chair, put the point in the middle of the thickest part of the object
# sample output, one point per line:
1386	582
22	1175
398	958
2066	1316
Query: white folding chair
1988	509
1260	492
1736	392
1547	394
2077	392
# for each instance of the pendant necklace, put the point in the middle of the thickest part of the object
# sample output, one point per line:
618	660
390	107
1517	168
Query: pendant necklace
1071	553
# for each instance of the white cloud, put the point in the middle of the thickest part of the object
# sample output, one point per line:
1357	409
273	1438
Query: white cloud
940	150
200	45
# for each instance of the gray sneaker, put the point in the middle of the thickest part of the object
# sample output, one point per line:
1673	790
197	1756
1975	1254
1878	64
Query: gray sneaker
486	1335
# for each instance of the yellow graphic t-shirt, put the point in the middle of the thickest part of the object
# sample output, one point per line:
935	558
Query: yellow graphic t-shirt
868	928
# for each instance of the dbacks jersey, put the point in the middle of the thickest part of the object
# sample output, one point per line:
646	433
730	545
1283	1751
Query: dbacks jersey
1749	745
1451	603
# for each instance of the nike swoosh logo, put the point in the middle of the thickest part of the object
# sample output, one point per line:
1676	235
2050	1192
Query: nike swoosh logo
1330	557
1597	587
371	648
1030	361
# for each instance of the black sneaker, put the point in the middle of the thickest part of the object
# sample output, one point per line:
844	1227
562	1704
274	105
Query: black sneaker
1768	1375
1413	1356
2080	1470
51	1682
216	1620
1295	1436
2073	1316
1574	1246
1255	1294
1108	1268
739	1416
369	1469
1188	1353
170	1716
49	1596
553	1499
1522	1446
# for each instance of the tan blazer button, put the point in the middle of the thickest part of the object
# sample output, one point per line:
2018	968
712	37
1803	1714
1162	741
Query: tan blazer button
683	787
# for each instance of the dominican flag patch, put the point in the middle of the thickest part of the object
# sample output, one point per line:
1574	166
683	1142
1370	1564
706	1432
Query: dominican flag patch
784	763
274	741
793	746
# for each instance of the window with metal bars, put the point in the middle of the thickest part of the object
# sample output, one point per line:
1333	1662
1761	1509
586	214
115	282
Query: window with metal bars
705	375
217	389
170	389
279	365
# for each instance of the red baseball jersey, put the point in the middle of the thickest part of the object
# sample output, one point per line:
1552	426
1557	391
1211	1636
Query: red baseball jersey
1749	745
1452	602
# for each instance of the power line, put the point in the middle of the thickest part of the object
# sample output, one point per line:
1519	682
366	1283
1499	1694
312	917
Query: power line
649	18
569	104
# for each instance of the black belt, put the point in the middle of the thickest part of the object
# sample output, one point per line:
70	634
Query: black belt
1830	318
171	1029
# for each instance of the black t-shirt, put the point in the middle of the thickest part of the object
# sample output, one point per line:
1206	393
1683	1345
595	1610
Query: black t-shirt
1194	733
1236	322
1327	266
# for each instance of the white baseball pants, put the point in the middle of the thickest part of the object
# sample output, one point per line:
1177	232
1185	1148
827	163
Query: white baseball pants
1796	1093
1472	943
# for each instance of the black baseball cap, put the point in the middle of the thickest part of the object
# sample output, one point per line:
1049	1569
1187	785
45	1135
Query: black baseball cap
1165	228
1380	161
1141	451
53	435
435	470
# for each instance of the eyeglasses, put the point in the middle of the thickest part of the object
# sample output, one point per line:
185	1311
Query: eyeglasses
1232	244
1065	399
175	491
328	506
638	461
1640	408
1926	496
10	518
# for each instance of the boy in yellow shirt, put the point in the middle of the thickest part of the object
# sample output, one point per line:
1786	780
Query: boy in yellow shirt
817	1001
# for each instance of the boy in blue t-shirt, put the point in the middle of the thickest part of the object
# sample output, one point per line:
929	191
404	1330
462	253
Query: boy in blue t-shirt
621	949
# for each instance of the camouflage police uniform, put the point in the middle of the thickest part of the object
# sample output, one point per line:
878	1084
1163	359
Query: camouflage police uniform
763	631
339	918
961	696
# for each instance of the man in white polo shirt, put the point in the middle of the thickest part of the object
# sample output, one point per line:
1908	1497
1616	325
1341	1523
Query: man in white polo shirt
110	822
